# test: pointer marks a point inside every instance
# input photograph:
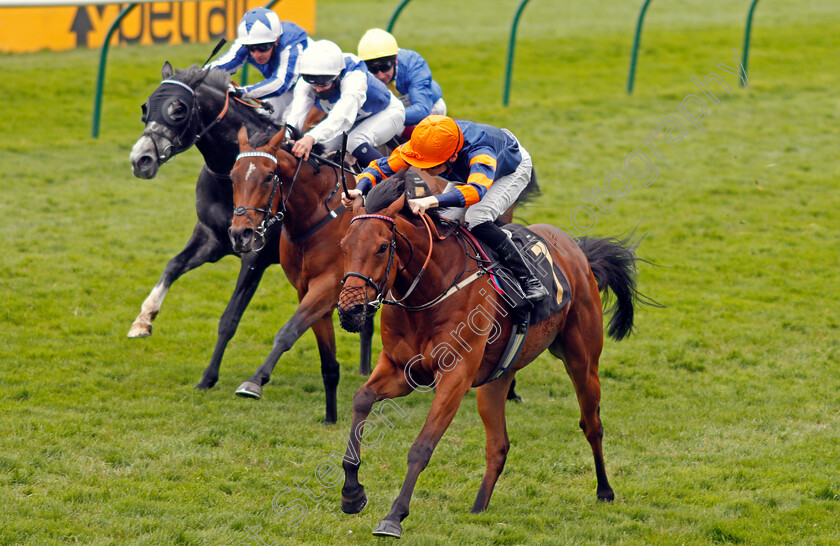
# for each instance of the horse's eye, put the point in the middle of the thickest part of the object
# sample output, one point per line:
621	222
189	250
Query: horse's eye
177	109
269	180
382	248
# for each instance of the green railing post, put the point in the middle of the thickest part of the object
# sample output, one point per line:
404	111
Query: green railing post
511	42
747	38
635	53
396	14
103	56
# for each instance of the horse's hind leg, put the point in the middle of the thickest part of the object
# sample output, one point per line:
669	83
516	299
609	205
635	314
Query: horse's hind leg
202	247
491	407
580	348
250	274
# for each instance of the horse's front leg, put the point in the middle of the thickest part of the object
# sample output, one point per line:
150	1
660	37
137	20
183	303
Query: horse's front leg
318	302
202	247
386	382
449	392
250	274
366	339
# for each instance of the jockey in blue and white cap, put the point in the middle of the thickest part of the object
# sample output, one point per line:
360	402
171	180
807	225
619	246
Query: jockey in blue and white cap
274	47
355	102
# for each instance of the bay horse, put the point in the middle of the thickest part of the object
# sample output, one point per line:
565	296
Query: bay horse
272	185
453	342
193	107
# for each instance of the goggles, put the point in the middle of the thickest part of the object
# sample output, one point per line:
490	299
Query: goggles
262	48
319	80
379	66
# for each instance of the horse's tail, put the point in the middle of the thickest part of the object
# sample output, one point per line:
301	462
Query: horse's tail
531	191
613	262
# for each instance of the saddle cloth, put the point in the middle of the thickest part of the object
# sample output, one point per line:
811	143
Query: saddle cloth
536	253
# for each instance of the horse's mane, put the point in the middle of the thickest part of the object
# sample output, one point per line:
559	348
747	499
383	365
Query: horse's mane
385	193
218	79
388	191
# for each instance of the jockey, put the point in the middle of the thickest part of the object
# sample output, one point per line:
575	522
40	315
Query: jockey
354	101
486	168
274	47
406	74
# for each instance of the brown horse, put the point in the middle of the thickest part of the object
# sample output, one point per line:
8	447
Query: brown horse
456	342
269	186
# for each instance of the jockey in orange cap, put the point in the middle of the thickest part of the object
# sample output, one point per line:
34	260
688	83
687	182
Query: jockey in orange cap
486	168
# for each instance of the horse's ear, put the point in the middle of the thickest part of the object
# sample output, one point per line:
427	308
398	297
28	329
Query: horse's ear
243	139
395	207
167	71
276	141
199	78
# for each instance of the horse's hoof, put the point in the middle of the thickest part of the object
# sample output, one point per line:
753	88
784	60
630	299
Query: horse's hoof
606	496
388	528
204	386
249	389
354	506
140	330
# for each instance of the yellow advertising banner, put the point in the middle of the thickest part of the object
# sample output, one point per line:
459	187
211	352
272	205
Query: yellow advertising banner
65	27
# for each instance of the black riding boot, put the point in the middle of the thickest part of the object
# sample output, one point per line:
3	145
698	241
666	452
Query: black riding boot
510	256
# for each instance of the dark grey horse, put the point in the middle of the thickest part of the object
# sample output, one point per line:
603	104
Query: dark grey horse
193	107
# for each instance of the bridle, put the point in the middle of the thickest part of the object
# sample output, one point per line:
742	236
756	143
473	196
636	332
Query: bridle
381	286
192	120
268	219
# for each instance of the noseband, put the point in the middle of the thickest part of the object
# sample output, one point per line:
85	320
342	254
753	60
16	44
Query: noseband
380	288
268	219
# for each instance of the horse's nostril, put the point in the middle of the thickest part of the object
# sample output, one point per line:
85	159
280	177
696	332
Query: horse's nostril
145	162
247	234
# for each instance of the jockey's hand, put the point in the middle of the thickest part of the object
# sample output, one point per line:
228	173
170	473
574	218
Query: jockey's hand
235	91
303	146
354	193
419	206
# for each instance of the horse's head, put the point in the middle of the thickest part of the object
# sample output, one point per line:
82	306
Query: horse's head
370	262
257	191
172	118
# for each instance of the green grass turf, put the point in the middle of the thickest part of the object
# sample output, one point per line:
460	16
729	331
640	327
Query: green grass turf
721	413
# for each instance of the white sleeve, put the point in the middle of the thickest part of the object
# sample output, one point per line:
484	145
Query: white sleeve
343	115
302	101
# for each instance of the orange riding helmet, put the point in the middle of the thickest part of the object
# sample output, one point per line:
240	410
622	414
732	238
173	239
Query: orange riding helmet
433	142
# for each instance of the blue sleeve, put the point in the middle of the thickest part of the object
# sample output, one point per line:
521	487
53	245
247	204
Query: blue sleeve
417	84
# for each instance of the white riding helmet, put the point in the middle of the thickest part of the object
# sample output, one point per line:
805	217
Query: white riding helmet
259	26
322	58
377	43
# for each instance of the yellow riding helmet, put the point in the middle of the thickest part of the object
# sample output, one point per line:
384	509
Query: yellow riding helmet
433	142
377	43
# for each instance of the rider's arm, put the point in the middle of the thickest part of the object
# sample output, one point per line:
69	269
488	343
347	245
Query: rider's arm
482	163
233	59
304	98
283	77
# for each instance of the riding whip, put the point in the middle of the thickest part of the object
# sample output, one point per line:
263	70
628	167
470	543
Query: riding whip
341	162
216	49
